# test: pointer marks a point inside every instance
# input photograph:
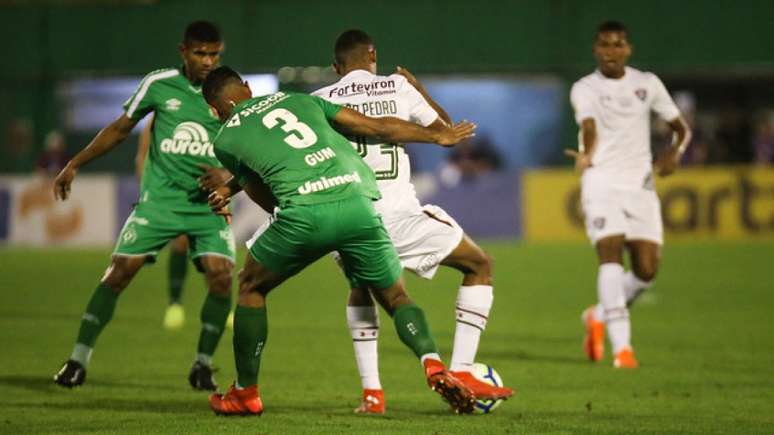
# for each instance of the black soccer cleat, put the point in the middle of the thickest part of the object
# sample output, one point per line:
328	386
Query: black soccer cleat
72	374
201	377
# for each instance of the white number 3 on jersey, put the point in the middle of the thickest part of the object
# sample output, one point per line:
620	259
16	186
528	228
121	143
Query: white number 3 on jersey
301	136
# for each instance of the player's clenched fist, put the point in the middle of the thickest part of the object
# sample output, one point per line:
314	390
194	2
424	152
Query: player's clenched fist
668	161
213	177
219	198
63	181
582	160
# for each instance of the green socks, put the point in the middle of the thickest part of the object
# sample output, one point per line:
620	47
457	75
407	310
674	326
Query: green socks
178	266
251	328
213	316
98	313
413	330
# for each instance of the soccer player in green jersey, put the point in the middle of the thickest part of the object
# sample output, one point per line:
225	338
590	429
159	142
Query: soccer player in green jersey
172	200
283	150
177	269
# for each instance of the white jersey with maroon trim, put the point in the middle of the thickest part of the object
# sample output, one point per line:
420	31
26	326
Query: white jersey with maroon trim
621	108
378	96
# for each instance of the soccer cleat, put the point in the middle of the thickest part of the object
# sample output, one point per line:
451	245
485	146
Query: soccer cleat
201	377
625	359
72	374
457	394
594	341
482	390
174	317
373	402
246	401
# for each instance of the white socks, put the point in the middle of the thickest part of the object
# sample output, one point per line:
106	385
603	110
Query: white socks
633	287
363	323
82	354
473	305
610	289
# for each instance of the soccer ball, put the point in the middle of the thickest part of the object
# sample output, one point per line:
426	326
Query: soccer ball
485	373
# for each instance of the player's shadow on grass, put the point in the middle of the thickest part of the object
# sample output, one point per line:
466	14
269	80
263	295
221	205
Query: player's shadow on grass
522	355
179	406
46	384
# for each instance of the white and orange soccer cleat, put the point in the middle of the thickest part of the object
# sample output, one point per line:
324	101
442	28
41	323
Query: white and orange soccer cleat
482	390
594	341
372	403
246	401
625	359
458	395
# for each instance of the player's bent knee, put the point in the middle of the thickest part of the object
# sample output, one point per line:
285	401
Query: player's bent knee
121	271
359	297
645	273
218	269
484	264
219	282
610	250
392	297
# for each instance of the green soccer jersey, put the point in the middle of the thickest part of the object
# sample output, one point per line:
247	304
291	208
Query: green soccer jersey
181	143
287	140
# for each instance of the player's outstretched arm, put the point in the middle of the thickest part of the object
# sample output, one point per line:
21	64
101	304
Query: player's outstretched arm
391	129
421	89
669	159
103	142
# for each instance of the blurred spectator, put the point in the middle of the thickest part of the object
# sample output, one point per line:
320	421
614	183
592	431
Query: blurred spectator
18	143
470	159
54	156
764	140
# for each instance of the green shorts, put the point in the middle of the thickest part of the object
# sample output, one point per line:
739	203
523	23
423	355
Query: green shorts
150	227
300	234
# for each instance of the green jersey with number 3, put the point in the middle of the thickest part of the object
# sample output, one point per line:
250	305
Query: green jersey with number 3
181	143
287	140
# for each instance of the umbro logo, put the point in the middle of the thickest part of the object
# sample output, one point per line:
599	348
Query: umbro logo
641	93
173	104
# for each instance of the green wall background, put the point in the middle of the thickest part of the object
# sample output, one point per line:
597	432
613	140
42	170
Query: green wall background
54	40
429	35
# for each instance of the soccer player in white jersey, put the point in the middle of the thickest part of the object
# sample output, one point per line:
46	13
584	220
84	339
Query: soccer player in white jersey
425	236
613	106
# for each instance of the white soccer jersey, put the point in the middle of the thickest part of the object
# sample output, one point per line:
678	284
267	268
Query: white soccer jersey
379	96
621	109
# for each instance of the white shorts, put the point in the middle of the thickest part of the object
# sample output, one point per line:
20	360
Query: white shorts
423	240
633	213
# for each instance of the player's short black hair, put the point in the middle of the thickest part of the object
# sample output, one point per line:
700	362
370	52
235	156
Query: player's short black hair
217	80
612	26
201	31
349	41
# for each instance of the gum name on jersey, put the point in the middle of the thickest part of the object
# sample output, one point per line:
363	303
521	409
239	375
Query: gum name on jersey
316	157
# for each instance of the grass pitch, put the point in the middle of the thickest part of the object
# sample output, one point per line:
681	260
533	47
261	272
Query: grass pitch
703	335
